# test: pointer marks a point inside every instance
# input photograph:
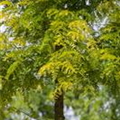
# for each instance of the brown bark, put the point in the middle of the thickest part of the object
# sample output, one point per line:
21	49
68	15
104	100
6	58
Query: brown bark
59	107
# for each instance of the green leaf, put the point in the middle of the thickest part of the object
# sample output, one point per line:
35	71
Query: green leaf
11	69
6	3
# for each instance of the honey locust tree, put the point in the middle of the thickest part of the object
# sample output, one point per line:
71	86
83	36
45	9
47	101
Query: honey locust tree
50	47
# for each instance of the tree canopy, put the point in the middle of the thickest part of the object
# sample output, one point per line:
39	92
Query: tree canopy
53	49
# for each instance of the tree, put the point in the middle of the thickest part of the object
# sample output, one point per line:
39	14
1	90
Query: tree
51	47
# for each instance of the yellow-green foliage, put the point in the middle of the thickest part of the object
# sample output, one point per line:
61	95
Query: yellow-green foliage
53	46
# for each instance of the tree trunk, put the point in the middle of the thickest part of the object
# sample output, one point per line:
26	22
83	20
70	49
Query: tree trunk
59	107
